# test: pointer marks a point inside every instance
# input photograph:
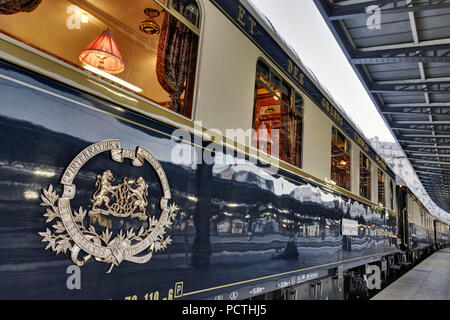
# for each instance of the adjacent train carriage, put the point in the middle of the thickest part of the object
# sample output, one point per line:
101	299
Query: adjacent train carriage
179	149
441	233
416	224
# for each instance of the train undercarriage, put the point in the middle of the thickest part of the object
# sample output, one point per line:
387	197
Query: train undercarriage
357	283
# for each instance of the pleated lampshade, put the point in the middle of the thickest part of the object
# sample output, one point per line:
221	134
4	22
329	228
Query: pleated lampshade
103	53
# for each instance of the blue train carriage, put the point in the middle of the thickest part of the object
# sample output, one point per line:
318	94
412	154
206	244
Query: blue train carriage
441	233
417	226
116	165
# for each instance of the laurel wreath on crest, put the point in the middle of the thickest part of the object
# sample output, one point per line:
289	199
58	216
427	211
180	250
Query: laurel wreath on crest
60	241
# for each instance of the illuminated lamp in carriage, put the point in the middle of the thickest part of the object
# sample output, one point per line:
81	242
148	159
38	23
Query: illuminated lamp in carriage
103	58
103	54
84	18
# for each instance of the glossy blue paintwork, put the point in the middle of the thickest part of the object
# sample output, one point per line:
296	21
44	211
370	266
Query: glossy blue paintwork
239	223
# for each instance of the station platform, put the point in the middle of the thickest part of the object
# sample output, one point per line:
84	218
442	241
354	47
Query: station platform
429	280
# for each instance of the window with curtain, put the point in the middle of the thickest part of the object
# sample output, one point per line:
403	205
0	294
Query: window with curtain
149	48
340	159
278	116
364	176
381	188
391	195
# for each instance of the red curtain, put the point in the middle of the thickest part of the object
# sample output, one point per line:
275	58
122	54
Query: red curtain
173	62
16	6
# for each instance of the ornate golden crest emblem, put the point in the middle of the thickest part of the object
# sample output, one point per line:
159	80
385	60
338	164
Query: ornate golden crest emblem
125	200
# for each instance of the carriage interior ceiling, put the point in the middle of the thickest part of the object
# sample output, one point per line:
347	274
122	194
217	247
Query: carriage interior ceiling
403	60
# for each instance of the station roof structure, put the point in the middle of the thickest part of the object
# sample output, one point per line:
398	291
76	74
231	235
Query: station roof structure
400	50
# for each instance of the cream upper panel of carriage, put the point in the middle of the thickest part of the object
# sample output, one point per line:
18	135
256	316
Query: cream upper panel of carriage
226	78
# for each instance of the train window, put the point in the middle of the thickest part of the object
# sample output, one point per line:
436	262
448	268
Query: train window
364	176
275	83
263	73
188	9
278	117
381	189
340	159
391	195
298	103
144	48
286	94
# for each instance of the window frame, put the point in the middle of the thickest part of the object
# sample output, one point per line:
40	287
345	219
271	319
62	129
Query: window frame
383	182
294	91
168	6
368	171
392	191
347	151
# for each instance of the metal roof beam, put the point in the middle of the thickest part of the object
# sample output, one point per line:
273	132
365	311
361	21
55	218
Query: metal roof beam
425	127
417	147
424	143
424	122
415	155
427	144
437	187
428	131
386	7
435	169
415	81
412	53
418	105
379	57
431	161
408	128
418	111
428	156
435	87
407	45
440	136
432	173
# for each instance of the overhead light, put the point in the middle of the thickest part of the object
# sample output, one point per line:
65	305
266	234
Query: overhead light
150	26
84	18
112	78
103	53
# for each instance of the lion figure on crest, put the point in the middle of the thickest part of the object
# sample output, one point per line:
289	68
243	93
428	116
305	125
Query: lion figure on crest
126	198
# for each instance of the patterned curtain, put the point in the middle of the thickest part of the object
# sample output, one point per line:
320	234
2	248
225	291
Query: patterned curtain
289	136
16	6
172	64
